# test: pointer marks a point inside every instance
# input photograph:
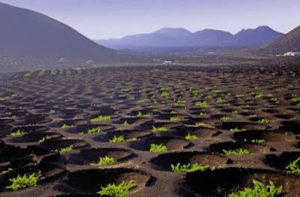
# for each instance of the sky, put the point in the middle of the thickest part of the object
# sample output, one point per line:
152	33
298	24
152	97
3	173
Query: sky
104	19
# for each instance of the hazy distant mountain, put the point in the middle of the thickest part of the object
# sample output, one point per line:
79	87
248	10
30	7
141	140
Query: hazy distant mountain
211	38
26	33
169	37
179	37
174	32
289	42
257	37
166	37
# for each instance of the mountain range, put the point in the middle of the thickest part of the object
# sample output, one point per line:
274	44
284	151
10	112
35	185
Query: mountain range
30	40
180	37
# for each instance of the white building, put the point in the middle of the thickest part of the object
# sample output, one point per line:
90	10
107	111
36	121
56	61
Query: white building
168	62
292	54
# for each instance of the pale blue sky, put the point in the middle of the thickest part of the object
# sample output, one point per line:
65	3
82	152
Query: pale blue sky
101	19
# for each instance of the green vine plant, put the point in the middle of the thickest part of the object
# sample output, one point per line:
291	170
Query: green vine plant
65	126
104	161
94	131
117	139
234	130
6	171
21	182
237	152
188	167
259	190
294	167
191	137
158	148
66	149
158	129
44	139
120	190
101	118
17	133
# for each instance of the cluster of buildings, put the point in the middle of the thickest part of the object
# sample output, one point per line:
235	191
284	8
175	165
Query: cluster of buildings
291	54
167	62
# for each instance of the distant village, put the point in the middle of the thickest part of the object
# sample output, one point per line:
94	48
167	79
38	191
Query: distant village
291	54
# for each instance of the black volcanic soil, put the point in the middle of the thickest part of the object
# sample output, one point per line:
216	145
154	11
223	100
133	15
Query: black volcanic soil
54	110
